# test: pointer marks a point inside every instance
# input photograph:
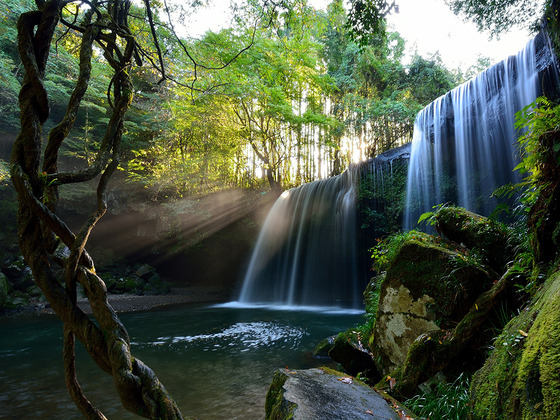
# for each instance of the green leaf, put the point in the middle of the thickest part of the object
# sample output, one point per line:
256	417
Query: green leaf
425	216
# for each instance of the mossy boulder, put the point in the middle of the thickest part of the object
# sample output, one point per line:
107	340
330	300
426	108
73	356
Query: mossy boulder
521	377
18	273
140	279
429	285
486	236
16	299
276	406
352	354
321	350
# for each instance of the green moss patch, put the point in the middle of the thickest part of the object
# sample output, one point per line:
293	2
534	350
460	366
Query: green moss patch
521	378
350	351
427	265
276	407
486	236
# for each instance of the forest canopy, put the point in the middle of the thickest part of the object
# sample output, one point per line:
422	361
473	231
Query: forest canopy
291	97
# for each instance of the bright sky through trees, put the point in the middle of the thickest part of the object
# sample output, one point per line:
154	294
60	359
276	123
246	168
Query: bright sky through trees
427	25
431	26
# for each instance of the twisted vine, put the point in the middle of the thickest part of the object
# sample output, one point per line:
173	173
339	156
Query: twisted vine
41	230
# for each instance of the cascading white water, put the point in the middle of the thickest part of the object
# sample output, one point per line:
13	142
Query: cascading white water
463	146
306	253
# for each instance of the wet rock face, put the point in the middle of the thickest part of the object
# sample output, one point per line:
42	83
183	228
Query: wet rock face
430	285
322	394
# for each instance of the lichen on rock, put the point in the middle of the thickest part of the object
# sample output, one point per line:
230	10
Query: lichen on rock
430	285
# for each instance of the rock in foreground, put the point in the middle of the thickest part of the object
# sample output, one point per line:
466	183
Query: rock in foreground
322	394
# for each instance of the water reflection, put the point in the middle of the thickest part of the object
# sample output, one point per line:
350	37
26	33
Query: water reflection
217	362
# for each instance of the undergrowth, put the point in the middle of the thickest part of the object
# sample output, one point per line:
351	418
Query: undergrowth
386	249
443	401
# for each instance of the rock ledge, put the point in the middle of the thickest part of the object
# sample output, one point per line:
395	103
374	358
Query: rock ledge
324	394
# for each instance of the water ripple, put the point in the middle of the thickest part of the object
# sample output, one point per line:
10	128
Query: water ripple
241	336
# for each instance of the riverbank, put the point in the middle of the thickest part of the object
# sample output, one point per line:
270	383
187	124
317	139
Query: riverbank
131	303
127	302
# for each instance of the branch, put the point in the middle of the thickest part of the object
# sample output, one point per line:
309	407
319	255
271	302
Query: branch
69	359
61	131
136	383
78	247
114	132
106	340
33	64
43	213
193	61
156	41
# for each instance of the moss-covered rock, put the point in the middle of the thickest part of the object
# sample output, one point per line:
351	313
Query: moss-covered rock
18	273
488	237
521	377
16	299
140	279
352	354
321	350
276	407
429	285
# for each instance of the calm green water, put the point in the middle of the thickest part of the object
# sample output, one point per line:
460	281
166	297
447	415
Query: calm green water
216	361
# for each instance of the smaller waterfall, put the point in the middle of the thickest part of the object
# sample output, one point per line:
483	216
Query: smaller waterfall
307	250
463	146
381	191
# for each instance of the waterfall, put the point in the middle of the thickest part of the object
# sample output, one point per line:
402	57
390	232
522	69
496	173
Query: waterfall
307	250
464	143
310	251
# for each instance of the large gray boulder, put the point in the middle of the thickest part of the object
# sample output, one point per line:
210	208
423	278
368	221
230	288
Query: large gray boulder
430	285
324	394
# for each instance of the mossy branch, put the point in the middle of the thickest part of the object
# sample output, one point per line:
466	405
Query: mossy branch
139	388
83	404
59	133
